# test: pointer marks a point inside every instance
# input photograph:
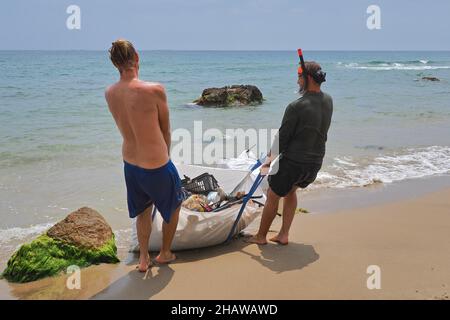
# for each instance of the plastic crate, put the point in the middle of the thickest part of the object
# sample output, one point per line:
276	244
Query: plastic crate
203	184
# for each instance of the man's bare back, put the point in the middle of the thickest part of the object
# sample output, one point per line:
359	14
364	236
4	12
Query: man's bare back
152	180
141	114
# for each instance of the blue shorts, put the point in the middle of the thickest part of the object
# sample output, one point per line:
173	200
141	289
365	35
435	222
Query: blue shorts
160	186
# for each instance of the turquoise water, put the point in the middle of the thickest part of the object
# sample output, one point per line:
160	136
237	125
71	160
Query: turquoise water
59	148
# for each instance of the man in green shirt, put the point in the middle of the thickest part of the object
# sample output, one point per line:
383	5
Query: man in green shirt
301	144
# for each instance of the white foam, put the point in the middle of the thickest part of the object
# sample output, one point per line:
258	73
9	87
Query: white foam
418	68
20	233
411	163
346	171
395	66
345	161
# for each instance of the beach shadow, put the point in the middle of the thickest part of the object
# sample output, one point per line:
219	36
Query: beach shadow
275	257
138	286
278	258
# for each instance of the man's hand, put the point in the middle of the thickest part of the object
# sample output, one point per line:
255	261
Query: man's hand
264	171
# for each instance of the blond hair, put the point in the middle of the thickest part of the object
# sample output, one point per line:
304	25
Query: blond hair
122	54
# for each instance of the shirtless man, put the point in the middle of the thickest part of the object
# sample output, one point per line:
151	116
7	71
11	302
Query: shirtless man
141	113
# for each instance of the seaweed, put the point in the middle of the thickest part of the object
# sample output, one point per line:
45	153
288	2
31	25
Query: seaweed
45	257
232	99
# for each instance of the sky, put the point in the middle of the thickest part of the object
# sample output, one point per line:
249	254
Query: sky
226	24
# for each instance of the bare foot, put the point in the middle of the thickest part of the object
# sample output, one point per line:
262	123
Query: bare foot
257	240
283	240
144	263
165	258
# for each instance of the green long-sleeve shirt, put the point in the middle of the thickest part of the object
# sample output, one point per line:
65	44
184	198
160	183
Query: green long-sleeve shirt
304	128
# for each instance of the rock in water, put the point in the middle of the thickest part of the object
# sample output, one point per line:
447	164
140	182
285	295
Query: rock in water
431	78
236	95
83	238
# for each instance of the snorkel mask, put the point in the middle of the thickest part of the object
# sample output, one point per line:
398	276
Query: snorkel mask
319	76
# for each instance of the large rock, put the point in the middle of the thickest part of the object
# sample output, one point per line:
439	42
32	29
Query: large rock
83	238
84	227
236	95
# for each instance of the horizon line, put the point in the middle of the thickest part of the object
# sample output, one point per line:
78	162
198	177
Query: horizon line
245	50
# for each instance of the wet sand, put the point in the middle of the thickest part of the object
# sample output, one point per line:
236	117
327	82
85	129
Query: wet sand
327	258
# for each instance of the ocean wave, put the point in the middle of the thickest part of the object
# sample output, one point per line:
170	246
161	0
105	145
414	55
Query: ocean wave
381	62
347	171
411	163
21	233
415	68
395	65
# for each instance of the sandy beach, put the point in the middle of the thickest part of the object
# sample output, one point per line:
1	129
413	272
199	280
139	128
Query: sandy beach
327	258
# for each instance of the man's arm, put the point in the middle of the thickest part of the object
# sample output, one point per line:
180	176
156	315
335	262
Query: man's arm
282	138
285	133
163	115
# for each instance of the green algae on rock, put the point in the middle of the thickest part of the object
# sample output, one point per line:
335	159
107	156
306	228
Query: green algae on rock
83	238
46	257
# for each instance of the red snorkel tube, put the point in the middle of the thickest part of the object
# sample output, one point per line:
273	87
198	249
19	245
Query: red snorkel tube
302	69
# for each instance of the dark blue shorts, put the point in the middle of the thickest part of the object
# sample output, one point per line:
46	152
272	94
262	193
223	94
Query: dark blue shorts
160	186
